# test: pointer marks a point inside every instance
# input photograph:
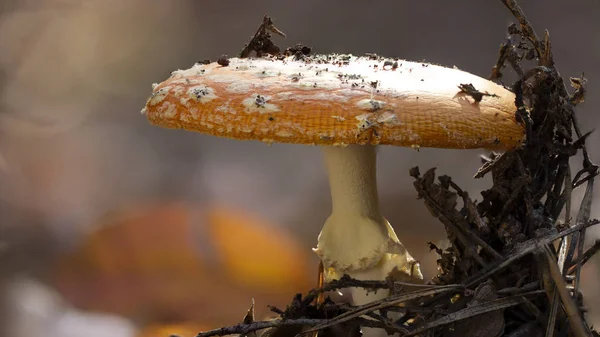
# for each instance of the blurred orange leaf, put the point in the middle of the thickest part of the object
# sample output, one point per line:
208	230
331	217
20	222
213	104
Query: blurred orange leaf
142	263
145	263
257	253
166	330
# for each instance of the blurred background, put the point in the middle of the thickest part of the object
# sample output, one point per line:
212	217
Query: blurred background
112	227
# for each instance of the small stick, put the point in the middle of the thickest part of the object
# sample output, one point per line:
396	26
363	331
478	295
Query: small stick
571	309
384	303
585	257
474	311
523	249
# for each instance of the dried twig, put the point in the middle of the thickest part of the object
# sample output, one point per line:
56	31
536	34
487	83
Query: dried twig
245	329
385	303
523	249
571	309
261	41
581	260
518	13
474	311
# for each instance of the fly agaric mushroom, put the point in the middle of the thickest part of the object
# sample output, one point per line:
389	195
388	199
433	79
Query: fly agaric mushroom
347	105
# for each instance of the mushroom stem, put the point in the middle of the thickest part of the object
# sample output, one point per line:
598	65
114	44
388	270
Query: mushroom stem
353	181
355	235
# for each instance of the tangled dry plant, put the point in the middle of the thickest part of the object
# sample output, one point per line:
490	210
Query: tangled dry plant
510	250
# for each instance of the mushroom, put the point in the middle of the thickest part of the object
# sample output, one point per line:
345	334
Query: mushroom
347	105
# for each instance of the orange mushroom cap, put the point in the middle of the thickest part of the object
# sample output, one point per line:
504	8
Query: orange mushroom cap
337	100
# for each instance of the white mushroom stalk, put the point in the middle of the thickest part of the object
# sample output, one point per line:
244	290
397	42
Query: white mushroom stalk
348	105
356	239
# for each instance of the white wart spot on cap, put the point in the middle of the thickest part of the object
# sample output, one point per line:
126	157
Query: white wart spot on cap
167	110
387	118
259	103
239	87
267	72
158	95
364	123
245	128
242	66
285	96
196	70
284	134
376	119
201	94
226	108
328	97
191	116
370	105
